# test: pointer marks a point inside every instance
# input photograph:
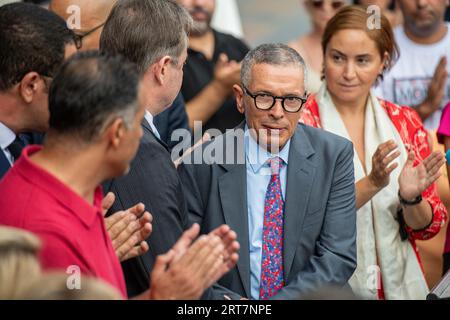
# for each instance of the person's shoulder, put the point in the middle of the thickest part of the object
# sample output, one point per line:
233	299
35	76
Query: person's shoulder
219	150
320	137
399	34
399	113
150	146
19	199
232	41
227	36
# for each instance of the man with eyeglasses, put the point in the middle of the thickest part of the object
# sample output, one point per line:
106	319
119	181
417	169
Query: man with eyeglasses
288	192
92	16
85	18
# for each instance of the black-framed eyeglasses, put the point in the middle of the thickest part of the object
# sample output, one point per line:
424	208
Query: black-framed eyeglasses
78	37
266	101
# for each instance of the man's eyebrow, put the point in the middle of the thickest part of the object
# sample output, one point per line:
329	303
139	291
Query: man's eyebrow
290	95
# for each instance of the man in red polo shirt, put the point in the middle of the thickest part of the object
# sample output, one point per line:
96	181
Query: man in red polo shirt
96	108
34	42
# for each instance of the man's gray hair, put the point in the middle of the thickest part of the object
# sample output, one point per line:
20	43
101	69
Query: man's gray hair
144	31
274	54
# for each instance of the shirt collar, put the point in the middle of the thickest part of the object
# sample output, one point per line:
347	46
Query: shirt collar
149	117
257	156
62	193
7	136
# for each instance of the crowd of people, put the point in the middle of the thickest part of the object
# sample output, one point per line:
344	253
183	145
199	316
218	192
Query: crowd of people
312	167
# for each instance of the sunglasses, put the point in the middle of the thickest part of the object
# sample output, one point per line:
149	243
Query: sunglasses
334	4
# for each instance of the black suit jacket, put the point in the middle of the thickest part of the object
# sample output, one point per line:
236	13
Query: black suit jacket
152	180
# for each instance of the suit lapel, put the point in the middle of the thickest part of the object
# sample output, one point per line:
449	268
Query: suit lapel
147	128
300	177
233	196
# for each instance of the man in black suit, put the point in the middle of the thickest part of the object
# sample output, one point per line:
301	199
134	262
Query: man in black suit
154	35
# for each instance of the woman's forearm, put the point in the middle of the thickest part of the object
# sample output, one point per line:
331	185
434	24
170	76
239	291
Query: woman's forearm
365	190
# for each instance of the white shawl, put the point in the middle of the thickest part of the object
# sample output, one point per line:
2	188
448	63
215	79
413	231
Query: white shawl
379	246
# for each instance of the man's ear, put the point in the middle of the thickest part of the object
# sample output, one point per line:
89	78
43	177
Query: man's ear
239	95
29	86
161	69
114	132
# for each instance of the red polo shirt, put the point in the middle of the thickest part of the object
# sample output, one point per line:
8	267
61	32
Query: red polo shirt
72	230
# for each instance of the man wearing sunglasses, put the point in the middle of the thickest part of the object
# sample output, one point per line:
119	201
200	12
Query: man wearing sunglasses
288	192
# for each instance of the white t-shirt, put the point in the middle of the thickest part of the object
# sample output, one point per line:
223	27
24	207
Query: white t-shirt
407	82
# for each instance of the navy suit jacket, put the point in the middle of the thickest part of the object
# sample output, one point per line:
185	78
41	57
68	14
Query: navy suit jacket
27	138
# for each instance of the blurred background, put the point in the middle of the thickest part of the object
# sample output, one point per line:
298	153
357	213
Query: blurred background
272	21
255	20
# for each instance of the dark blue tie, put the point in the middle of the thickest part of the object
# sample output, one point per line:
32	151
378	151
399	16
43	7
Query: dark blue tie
16	148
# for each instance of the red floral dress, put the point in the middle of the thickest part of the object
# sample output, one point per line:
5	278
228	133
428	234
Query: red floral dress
414	137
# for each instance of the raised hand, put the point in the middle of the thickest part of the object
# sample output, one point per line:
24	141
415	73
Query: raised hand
187	270
127	229
231	247
381	164
186	277
227	73
436	90
415	180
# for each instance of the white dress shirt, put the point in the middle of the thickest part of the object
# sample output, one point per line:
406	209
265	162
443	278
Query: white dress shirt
7	136
148	116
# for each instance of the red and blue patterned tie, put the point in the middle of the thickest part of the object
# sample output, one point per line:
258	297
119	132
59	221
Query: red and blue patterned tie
272	279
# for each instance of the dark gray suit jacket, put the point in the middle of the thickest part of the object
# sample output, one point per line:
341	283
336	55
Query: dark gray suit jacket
320	214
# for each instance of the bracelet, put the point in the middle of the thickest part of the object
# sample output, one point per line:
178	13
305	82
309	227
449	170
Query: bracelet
404	202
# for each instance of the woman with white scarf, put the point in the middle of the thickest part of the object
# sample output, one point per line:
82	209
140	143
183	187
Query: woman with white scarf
395	172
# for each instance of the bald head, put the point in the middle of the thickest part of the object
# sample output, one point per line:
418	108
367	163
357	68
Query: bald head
83	16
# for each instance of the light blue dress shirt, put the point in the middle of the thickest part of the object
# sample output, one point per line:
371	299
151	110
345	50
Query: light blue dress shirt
258	178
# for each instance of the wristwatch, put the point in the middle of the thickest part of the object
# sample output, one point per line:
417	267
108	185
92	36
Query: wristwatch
404	202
